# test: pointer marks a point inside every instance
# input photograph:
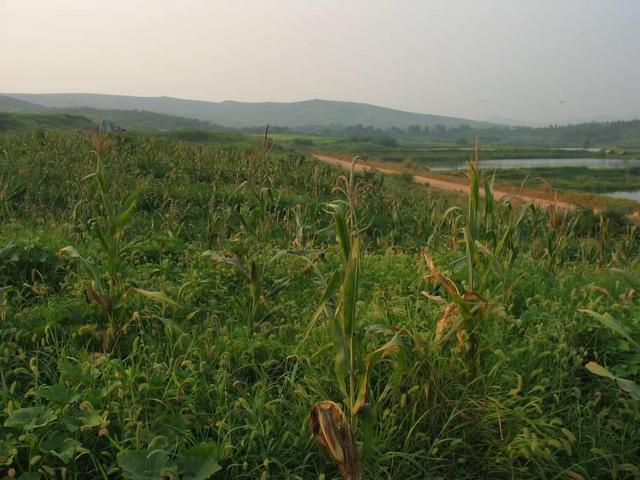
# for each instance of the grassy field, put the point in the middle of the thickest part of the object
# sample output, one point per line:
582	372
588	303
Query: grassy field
232	309
581	184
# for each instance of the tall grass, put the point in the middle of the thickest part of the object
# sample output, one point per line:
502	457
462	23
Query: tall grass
307	310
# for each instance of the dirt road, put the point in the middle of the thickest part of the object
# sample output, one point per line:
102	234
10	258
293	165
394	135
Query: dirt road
441	183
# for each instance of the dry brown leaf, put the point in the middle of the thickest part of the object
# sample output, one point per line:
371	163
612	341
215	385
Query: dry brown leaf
331	430
103	301
446	320
440	277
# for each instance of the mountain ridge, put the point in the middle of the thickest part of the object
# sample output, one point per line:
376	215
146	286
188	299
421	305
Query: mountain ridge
232	113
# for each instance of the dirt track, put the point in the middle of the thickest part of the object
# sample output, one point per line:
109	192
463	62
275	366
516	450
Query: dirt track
448	185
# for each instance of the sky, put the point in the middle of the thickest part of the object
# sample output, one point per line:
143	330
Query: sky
535	61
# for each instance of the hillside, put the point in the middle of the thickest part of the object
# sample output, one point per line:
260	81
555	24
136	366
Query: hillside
243	114
14	105
29	121
139	119
130	119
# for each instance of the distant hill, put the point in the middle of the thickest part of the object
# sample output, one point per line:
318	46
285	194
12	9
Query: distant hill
30	121
129	119
242	114
140	119
13	105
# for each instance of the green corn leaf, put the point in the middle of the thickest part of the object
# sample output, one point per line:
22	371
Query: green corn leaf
392	346
624	384
124	217
329	291
350	289
608	321
71	252
341	359
339	211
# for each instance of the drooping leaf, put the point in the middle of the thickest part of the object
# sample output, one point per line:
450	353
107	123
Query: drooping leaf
154	295
442	279
145	465
331	430
30	418
624	384
229	261
93	296
608	321
199	462
392	346
71	252
331	288
599	370
59	394
61	446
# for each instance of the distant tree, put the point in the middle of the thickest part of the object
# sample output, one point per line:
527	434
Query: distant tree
414	130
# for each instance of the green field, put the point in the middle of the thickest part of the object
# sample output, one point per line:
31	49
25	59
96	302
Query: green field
422	156
174	306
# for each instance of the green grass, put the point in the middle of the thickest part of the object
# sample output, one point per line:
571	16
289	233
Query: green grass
576	178
227	290
304	140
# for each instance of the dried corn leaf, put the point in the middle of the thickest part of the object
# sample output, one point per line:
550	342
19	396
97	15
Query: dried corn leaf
331	430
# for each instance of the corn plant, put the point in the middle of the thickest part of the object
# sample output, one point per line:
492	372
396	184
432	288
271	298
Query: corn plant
461	318
607	320
254	276
112	218
331	428
624	384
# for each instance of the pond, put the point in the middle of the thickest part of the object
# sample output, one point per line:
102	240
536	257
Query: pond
629	195
515	163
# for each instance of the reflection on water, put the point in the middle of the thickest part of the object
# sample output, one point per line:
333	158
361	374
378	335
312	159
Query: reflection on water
515	163
630	195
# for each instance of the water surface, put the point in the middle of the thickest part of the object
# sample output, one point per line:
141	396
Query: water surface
515	163
629	195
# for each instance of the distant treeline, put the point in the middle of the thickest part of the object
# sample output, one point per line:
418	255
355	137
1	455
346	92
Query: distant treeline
584	135
625	134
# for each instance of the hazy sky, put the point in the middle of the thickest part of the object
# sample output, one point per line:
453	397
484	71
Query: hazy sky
470	58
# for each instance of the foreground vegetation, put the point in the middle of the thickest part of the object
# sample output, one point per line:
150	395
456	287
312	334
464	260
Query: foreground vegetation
176	309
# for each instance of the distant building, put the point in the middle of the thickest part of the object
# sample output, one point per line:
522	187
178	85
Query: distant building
111	126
